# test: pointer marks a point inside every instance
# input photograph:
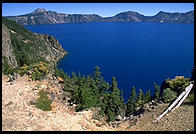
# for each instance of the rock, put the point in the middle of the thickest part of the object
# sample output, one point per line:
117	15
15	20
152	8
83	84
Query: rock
100	124
48	88
10	103
16	76
118	118
141	115
83	128
7	47
32	103
160	102
52	96
11	79
131	117
43	86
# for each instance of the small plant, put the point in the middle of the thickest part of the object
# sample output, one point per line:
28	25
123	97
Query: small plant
168	95
43	102
191	98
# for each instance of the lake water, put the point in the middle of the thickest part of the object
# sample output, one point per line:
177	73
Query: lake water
137	54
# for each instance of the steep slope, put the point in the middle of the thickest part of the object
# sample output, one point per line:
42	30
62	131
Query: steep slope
25	47
7	50
41	16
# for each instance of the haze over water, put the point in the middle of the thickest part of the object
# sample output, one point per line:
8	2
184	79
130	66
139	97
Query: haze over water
137	54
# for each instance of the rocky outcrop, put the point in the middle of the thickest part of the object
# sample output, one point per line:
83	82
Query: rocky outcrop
54	48
41	16
7	50
20	45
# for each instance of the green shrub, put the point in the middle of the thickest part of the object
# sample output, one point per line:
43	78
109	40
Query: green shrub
168	95
191	98
37	71
43	102
178	84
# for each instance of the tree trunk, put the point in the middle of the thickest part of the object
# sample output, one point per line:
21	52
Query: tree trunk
179	100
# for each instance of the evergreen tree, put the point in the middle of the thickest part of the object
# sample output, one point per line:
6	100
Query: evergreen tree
157	91
115	103
131	102
148	96
140	98
143	98
99	81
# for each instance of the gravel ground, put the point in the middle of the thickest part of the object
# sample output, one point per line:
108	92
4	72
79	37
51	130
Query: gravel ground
181	119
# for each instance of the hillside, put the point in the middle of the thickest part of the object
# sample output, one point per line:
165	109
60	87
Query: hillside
21	46
19	112
42	16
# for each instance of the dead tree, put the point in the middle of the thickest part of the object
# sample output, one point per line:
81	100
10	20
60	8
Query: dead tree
178	101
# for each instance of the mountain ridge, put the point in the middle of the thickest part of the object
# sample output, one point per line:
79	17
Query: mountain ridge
42	16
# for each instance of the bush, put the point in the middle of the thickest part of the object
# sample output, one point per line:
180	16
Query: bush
168	95
178	84
43	102
37	71
191	98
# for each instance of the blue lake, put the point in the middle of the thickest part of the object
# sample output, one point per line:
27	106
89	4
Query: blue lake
137	54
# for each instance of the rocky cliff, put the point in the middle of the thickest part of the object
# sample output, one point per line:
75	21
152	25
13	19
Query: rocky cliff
7	49
41	16
20	46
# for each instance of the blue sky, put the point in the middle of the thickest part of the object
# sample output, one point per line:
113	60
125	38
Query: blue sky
102	9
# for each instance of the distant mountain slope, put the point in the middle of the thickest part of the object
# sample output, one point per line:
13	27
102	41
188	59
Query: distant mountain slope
20	46
41	16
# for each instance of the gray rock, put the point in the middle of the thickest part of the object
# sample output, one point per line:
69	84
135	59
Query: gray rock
11	79
32	103
118	118
52	96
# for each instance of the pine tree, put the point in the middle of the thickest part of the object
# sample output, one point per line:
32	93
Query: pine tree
114	103
148	96
140	98
143	98
157	91
131	102
99	81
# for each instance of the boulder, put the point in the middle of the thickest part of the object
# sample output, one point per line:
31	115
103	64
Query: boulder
32	102
118	118
11	79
